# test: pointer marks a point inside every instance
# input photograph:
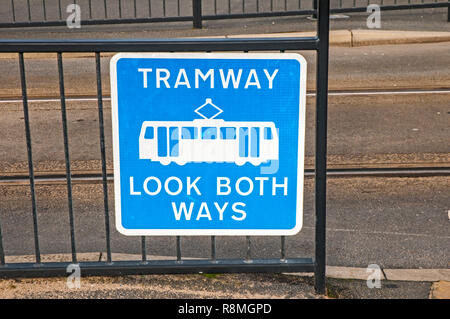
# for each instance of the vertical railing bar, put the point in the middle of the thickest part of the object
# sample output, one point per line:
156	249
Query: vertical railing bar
248	255
178	7
135	11
321	145
67	156
283	248
143	249
120	9
164	8
299	4
90	9
103	153
13	9
257	5
213	248
29	10
59	9
178	248
44	10
30	156
243	6
285	5
315	8
215	7
229	6
2	252
197	14
448	12
106	9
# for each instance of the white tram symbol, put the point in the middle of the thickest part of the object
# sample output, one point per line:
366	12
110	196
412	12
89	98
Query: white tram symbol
208	140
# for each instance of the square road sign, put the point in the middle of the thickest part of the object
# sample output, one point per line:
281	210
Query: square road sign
208	143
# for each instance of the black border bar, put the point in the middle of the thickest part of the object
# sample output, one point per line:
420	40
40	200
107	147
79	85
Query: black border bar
185	266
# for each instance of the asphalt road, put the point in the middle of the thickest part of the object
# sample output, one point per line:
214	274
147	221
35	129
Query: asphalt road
384	67
393	222
364	131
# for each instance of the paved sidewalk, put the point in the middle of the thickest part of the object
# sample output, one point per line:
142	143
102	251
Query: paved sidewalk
405	20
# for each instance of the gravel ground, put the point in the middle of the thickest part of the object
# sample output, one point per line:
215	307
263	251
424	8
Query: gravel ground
230	286
205	286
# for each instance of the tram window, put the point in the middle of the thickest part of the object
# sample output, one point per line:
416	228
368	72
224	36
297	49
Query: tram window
209	133
228	133
149	133
188	133
267	133
174	137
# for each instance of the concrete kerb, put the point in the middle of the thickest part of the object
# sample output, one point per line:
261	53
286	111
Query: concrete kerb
430	275
420	275
345	38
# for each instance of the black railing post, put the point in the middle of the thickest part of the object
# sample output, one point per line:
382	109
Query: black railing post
315	8
197	13
448	12
321	144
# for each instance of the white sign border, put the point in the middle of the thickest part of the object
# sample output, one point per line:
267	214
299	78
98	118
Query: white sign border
209	232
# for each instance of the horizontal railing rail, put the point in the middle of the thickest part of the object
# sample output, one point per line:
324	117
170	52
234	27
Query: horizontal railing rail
155	45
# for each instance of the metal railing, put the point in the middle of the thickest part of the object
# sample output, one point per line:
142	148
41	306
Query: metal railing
180	265
18	13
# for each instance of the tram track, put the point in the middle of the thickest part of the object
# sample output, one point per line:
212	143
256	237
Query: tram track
336	170
94	177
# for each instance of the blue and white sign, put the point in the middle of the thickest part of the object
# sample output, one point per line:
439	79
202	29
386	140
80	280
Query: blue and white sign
208	143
